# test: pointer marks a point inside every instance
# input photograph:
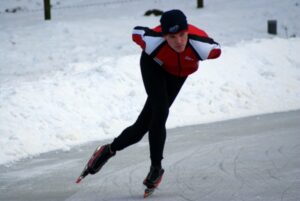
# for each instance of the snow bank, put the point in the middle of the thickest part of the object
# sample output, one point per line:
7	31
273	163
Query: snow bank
95	100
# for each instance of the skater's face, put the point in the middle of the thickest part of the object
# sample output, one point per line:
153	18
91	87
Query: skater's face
177	41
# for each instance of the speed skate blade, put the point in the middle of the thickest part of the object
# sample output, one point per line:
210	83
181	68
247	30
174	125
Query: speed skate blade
84	173
78	180
148	192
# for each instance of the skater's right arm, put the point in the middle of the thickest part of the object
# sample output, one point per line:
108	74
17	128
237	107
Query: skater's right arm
148	39
138	36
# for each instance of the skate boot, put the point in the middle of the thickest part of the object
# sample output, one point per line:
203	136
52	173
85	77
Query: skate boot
98	159
152	180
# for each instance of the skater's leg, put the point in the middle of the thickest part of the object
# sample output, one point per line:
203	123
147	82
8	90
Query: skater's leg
157	133
155	85
162	89
167	92
173	85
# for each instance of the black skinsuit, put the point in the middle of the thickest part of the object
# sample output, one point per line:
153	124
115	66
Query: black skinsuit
162	89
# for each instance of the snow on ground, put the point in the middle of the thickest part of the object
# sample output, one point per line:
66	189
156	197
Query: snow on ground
76	78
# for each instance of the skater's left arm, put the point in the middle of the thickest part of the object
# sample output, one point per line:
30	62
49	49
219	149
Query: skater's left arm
205	47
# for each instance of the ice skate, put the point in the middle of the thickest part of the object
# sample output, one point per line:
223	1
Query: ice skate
152	180
96	162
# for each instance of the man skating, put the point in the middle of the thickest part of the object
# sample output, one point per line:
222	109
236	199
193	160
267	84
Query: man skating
171	52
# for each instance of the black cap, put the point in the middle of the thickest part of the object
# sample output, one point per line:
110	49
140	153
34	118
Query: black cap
173	21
